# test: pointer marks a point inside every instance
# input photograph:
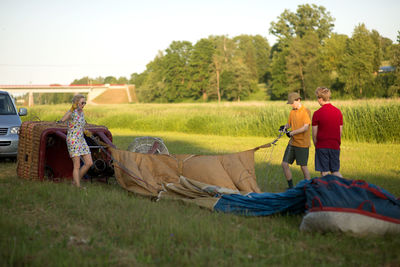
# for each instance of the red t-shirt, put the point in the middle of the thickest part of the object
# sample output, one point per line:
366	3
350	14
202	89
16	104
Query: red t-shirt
328	119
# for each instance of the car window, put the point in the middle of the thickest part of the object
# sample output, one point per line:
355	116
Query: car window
6	105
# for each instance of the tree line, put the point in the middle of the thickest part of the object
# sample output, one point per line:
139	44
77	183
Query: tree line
307	54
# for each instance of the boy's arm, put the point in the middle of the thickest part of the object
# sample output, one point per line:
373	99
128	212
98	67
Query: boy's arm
314	134
300	130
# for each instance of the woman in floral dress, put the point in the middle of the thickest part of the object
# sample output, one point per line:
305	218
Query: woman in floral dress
76	143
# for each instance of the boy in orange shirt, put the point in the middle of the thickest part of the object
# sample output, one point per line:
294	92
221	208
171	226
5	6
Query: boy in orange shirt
298	147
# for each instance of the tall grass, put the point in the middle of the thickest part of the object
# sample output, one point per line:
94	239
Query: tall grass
372	122
364	120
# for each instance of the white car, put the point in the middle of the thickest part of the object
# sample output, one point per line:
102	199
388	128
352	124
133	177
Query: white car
10	123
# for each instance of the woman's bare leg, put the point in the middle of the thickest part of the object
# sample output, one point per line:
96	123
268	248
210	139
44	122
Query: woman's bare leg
75	173
88	162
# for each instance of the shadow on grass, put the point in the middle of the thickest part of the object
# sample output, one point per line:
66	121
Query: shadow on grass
8	159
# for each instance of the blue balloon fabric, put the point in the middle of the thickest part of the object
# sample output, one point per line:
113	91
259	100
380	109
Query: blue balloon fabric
262	204
327	193
332	193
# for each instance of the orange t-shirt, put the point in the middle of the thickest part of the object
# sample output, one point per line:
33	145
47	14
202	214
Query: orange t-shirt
297	119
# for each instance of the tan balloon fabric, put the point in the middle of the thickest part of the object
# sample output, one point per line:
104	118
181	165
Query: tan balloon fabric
145	174
194	192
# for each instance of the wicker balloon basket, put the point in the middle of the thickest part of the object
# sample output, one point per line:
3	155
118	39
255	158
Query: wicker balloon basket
43	153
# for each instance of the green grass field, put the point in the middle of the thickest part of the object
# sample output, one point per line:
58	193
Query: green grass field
55	224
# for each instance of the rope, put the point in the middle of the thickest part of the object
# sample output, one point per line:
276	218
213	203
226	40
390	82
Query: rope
268	165
102	146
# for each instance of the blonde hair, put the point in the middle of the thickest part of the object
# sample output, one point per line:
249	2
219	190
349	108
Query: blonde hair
324	93
76	98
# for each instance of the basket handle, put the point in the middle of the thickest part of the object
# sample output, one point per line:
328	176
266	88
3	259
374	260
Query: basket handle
313	201
367	201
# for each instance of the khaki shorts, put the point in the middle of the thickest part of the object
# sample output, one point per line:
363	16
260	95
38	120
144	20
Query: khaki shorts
300	154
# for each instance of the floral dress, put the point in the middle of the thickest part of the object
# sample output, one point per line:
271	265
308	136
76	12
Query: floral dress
76	142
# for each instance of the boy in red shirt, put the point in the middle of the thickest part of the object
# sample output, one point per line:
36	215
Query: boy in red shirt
298	147
327	126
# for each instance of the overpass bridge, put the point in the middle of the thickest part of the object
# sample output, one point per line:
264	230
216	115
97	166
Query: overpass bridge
93	90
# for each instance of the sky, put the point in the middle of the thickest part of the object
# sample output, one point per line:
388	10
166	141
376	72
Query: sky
56	41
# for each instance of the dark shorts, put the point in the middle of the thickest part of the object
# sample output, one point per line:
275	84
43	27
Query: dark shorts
300	154
327	160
